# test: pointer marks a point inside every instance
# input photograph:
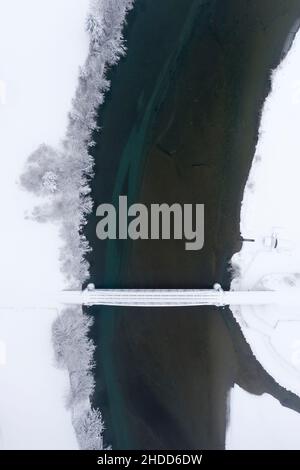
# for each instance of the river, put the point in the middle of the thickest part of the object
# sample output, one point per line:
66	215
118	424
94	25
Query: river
180	125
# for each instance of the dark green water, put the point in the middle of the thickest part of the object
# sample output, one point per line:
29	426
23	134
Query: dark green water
149	81
193	82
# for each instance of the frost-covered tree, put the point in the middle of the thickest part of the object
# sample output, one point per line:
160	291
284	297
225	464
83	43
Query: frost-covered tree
42	172
94	28
89	429
49	181
72	347
82	385
74	351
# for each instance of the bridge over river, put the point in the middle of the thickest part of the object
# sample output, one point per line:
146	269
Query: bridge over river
178	297
215	296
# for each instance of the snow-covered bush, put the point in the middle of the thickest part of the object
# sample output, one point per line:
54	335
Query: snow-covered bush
89	429
73	351
82	385
42	173
72	348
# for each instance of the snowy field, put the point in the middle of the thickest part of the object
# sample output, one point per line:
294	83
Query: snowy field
42	45
270	216
259	423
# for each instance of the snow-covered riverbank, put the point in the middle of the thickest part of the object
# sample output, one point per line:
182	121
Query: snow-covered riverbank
42	45
48	112
269	216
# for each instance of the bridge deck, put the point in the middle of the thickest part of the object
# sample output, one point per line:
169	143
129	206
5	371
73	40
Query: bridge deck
178	297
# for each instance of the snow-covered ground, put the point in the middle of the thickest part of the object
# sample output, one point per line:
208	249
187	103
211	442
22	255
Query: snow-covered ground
42	45
269	215
259	423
